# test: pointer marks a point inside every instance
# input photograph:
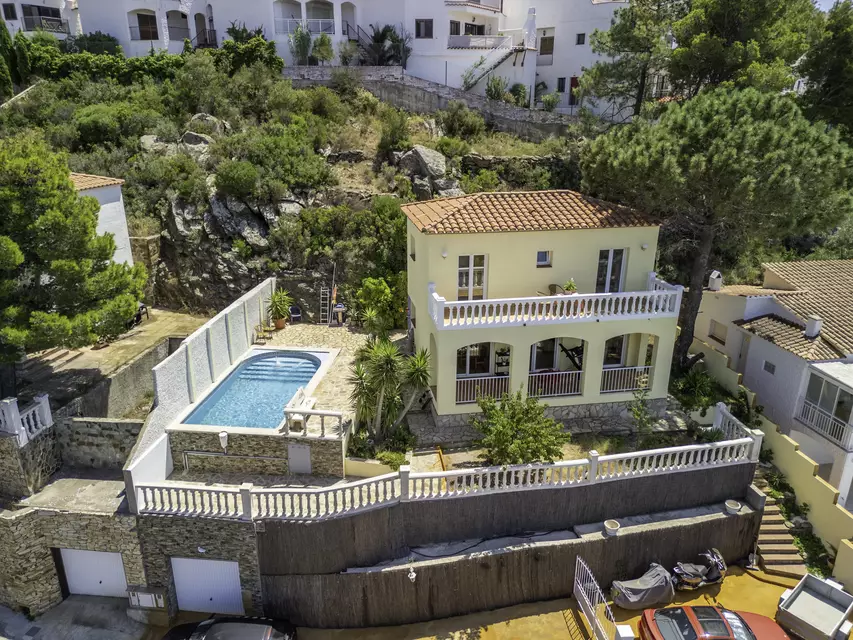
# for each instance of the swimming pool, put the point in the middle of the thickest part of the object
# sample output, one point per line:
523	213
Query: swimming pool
256	392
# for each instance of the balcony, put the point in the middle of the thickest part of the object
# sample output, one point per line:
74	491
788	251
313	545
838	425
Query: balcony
660	301
287	26
144	33
554	384
52	25
622	379
491	6
469	389
479	42
826	425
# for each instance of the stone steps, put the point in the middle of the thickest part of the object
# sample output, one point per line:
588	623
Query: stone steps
778	555
794	571
776	559
778	548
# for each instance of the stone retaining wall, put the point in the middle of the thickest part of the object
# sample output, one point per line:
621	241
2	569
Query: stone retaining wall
13	482
96	443
164	537
247	453
27	466
394	86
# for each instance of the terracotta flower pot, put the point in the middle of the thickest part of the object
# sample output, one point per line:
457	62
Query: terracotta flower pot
280	322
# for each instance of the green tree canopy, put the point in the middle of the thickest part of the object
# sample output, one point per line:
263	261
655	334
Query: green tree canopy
635	55
727	167
6	88
58	284
7	48
742	42
828	71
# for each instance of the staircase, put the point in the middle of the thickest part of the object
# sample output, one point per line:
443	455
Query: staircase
44	364
495	59
776	550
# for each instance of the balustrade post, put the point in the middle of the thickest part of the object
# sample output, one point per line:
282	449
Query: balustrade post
246	501
12	420
404	482
43	409
718	415
593	465
757	438
650	283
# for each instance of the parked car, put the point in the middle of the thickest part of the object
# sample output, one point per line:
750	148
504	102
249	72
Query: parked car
234	629
699	623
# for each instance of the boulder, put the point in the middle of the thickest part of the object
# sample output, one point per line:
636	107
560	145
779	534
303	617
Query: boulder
445	184
450	193
192	138
236	219
212	123
153	144
351	155
432	163
421	188
396	156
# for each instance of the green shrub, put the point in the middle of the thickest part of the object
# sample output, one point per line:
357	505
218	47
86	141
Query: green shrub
458	121
6	89
300	45
22	58
322	50
485	180
452	147
347	52
694	390
236	178
242	249
346	83
707	436
96	42
496	87
519	94
393	459
394	135
550	101
525	177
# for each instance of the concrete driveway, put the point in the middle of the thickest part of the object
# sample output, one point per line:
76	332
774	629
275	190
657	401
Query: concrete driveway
78	618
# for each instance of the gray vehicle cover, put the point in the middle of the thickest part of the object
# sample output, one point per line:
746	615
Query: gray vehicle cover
652	589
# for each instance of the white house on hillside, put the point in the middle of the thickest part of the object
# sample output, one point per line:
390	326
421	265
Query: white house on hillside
520	40
792	339
54	16
111	217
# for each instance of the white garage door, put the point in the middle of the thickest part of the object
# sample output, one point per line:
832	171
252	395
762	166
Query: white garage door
94	573
208	586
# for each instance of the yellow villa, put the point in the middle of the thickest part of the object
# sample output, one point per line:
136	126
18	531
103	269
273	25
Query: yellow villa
550	292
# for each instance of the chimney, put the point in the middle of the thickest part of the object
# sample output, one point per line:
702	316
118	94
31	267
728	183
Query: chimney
814	324
715	281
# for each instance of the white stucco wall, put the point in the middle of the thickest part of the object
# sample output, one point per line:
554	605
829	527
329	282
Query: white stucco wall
725	309
112	219
778	393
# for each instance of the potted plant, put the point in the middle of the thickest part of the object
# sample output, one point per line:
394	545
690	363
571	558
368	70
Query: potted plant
280	303
570	287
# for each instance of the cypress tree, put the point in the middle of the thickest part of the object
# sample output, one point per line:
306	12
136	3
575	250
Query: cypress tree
7	49
6	89
22	57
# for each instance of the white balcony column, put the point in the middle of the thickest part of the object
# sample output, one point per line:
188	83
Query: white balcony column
445	380
246	501
519	368
10	417
45	415
661	363
339	22
846	479
593	366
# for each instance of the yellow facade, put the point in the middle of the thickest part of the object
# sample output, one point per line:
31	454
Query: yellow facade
511	271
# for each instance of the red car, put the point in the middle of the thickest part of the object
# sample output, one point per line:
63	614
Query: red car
702	623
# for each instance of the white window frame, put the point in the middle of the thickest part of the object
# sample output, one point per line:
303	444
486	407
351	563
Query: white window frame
549	261
714	324
625	339
553	366
610	269
838	389
491	371
771	370
470	269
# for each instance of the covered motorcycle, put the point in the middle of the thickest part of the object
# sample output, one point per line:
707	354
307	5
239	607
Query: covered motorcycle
653	588
690	576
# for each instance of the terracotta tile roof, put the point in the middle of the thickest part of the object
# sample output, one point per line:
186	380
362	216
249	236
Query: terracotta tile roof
748	290
83	181
824	288
521	211
789	336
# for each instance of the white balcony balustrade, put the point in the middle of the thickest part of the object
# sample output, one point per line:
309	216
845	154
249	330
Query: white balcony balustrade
549	385
28	422
660	301
479	42
826	424
287	26
622	379
469	389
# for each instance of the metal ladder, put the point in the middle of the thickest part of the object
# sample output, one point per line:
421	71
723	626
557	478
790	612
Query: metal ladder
324	305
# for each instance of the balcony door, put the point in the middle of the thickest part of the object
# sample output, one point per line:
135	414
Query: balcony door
611	271
471	278
830	398
543	356
474	360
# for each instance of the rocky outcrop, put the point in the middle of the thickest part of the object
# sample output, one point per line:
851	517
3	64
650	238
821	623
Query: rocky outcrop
424	162
209	123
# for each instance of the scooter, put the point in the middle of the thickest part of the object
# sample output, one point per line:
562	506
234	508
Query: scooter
688	576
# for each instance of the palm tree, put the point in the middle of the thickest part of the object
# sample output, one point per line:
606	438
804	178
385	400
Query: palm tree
384	368
416	375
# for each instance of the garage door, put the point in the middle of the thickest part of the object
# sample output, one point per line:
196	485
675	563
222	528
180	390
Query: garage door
207	586
94	573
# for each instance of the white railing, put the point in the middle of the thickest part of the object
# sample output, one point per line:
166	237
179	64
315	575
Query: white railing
28	422
248	502
731	427
190	500
494	5
826	424
592	602
619	379
288	26
297	417
314	504
479	42
469	389
562	383
537	310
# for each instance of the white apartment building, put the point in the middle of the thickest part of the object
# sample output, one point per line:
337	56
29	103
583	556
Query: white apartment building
521	40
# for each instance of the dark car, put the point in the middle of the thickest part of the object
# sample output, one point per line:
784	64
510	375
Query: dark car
702	623
234	629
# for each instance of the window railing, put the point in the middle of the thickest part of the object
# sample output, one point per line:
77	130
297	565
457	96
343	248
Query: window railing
469	389
288	26
53	25
560	383
826	424
620	379
479	42
145	33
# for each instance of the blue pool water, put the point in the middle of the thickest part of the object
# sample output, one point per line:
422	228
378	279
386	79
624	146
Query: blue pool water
256	392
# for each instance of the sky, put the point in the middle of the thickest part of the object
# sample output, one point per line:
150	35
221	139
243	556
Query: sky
825	4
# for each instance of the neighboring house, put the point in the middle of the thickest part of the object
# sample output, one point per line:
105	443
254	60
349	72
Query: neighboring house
111	217
550	43
486	290
792	339
54	16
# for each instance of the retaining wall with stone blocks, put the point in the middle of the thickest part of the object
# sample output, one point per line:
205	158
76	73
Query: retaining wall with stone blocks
165	537
249	453
13	482
30	465
476	582
96	443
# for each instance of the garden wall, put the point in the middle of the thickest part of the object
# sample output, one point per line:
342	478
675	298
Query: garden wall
717	364
96	443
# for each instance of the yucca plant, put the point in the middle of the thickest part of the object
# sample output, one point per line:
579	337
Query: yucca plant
279	307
